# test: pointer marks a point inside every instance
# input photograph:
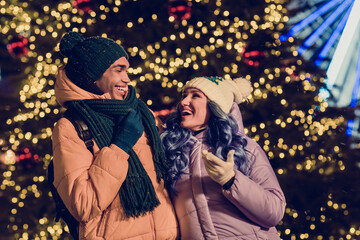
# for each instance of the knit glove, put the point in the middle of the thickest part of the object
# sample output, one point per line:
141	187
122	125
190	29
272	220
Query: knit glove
219	170
127	131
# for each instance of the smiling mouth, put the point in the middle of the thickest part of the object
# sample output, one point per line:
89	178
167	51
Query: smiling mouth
122	90
185	113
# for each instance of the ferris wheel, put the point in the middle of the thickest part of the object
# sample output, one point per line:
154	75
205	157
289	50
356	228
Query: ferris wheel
329	33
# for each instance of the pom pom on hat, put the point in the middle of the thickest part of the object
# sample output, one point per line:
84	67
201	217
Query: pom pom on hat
69	41
88	58
222	91
243	89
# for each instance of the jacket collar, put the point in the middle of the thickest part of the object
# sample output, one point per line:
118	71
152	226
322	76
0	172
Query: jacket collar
66	90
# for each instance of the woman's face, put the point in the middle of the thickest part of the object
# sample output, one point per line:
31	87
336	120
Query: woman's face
194	109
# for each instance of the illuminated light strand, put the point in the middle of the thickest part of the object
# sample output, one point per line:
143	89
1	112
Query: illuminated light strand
341	52
355	92
333	37
54	229
311	39
309	19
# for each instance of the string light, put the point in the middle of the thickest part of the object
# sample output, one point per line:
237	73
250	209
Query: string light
164	65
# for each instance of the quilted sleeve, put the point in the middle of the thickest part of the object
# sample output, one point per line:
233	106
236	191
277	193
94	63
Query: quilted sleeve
258	196
86	183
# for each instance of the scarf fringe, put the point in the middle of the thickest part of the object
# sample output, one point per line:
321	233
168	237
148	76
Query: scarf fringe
137	194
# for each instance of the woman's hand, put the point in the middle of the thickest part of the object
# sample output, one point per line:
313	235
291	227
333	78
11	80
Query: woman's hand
220	171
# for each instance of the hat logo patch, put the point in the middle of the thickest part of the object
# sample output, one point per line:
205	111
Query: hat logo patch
215	79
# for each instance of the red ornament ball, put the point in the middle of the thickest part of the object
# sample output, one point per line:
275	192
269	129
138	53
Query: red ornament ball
83	5
252	57
18	46
180	9
26	158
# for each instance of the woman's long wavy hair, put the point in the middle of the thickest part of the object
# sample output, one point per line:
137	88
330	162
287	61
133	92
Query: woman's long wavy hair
222	134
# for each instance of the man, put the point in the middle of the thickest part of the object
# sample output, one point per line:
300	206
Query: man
116	192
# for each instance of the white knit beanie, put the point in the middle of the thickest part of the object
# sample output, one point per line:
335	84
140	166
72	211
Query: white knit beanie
222	91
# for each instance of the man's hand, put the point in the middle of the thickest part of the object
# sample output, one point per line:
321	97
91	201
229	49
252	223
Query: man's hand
128	131
219	170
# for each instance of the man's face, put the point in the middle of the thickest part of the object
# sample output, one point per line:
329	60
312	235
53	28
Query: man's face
115	79
194	110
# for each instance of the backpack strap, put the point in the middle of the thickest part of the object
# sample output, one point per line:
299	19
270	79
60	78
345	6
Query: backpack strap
61	210
81	128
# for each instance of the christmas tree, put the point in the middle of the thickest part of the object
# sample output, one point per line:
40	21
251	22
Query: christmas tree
170	42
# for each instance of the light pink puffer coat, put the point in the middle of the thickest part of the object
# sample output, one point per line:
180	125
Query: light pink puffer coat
249	210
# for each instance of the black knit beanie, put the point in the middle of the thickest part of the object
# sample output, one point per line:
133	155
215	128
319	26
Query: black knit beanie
88	58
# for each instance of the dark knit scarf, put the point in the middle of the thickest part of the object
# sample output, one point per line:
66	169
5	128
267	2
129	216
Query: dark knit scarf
137	194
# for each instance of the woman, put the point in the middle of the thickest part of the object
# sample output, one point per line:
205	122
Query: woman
222	184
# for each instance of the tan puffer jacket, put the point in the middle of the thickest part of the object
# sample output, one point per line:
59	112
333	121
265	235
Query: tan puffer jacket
89	184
